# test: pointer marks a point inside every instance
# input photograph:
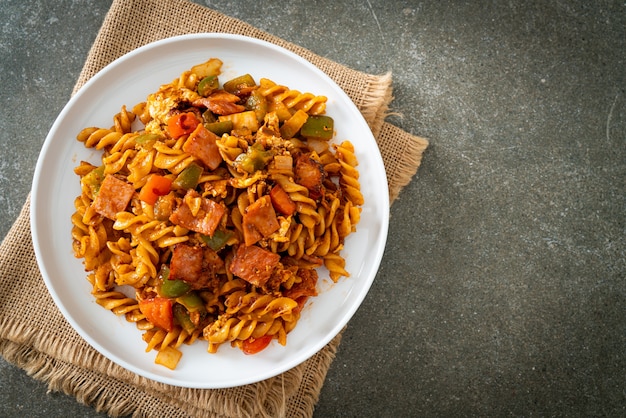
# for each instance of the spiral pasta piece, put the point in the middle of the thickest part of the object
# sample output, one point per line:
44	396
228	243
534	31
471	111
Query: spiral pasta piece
122	121
349	176
158	339
172	159
98	138
188	80
142	112
292	99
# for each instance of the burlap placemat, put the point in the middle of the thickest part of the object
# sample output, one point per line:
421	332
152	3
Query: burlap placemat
35	336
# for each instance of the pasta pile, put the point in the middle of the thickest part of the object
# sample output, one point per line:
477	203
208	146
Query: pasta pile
215	204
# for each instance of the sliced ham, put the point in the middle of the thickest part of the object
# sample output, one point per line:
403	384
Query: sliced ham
195	265
113	197
186	263
306	286
202	145
254	264
259	221
205	222
220	102
310	174
223	108
213	261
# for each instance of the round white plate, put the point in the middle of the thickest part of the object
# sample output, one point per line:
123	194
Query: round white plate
128	81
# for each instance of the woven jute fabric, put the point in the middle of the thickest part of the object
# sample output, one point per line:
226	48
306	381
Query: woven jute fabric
35	336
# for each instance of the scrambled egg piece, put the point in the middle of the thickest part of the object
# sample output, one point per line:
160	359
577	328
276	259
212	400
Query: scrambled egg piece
281	234
161	103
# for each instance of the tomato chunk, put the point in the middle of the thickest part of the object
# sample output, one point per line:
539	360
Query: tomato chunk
158	312
155	186
182	124
254	345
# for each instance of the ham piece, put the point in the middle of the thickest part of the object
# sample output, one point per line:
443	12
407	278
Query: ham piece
259	221
310	174
186	263
195	265
113	197
220	102
202	145
254	264
205	221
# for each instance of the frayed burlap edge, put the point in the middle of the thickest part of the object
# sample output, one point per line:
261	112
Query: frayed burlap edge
376	103
402	154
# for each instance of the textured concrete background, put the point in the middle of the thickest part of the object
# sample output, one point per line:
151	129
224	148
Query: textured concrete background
502	290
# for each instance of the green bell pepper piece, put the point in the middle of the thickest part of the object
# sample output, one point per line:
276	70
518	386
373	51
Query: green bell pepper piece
258	103
220	128
208	85
235	85
319	126
174	288
94	180
191	301
182	316
218	240
171	288
208	117
255	159
188	178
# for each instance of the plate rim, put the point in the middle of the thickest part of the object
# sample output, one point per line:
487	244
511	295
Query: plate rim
35	205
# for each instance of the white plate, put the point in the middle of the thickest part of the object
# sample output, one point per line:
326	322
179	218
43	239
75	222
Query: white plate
128	81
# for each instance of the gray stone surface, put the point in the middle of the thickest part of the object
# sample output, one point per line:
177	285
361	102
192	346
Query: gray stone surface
502	290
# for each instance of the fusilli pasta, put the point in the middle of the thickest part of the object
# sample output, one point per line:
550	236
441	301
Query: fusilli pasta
216	212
